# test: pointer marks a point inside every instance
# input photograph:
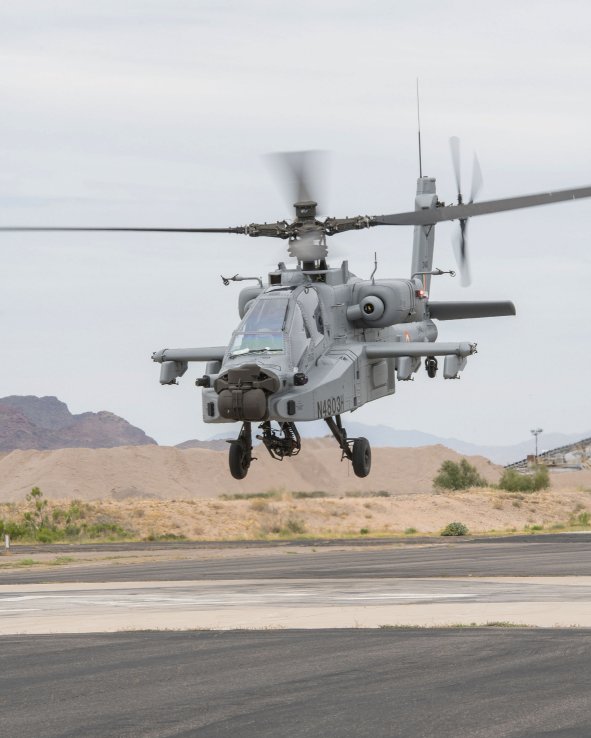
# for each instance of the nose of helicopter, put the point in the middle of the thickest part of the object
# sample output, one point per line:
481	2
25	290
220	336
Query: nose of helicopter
243	392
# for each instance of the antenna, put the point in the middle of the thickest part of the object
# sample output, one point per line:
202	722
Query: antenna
419	130
375	266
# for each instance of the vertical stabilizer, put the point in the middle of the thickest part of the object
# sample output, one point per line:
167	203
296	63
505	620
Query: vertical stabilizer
424	236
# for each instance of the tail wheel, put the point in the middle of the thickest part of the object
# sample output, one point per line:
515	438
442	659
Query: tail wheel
239	459
361	457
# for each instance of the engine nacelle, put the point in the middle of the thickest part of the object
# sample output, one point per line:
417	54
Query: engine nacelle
382	304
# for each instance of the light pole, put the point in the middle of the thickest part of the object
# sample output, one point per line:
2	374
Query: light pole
536	432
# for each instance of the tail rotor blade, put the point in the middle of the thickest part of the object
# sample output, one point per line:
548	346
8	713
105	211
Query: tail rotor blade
460	244
476	179
454	145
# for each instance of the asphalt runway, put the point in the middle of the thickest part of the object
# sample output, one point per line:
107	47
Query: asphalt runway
568	555
348	683
543	581
258	641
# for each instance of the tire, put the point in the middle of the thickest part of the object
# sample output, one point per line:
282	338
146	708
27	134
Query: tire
239	460
361	457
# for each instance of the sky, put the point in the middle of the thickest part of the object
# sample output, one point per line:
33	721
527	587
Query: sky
145	113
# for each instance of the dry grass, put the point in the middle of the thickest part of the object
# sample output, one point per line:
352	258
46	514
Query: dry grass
278	514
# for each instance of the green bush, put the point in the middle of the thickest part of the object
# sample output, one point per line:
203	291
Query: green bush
455	529
513	481
14	530
458	476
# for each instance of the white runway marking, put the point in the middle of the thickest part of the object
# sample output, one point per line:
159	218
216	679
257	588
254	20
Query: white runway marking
231	598
305	603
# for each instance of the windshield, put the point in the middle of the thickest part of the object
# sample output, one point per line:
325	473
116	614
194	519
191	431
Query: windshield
262	328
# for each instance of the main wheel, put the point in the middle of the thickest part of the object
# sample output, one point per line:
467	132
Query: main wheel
361	457
239	460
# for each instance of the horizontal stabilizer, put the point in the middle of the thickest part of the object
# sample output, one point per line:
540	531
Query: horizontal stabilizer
463	310
386	349
210	353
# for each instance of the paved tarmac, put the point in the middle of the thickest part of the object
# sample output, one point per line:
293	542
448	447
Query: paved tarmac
488	683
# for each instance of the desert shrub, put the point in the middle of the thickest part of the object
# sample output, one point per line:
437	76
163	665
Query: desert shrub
166	537
293	525
513	481
460	475
104	530
410	531
38	523
455	529
259	505
252	496
364	531
581	519
309	495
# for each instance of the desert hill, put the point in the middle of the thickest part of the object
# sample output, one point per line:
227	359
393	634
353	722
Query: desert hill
166	473
28	422
172	473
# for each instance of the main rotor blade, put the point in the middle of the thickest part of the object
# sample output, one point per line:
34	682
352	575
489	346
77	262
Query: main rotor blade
430	216
239	229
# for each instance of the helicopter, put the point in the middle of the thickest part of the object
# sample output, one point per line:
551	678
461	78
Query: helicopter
315	342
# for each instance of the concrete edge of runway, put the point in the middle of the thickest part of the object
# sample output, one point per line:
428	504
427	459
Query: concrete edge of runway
537	538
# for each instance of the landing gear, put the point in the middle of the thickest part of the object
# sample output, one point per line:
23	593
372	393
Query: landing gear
357	450
287	442
361	457
431	366
240	454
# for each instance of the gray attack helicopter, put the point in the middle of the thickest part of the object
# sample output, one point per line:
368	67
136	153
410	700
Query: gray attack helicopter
315	342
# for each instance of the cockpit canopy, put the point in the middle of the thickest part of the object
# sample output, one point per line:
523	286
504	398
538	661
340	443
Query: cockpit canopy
262	327
281	321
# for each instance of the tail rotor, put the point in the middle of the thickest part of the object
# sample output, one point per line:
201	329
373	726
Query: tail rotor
460	238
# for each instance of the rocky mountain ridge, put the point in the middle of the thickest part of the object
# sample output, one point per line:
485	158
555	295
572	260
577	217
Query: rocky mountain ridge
45	423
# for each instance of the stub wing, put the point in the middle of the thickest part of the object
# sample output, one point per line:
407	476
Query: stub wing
209	353
387	350
175	361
